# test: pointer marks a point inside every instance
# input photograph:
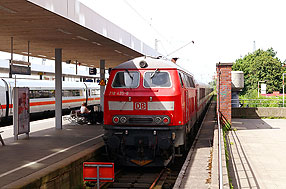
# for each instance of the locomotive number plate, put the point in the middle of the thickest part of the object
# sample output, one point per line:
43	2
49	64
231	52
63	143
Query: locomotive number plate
140	106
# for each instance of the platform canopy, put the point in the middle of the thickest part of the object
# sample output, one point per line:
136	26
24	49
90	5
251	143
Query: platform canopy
84	35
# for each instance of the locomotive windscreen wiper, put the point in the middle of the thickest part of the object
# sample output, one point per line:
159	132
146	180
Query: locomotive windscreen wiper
129	74
153	74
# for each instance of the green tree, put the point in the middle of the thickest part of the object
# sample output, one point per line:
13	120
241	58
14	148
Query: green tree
260	66
213	84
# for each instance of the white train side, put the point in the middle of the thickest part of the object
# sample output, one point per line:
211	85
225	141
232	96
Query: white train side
42	95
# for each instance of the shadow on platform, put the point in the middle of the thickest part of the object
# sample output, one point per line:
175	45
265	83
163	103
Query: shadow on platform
239	124
240	170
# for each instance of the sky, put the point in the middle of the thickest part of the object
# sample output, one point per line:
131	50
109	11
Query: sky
222	30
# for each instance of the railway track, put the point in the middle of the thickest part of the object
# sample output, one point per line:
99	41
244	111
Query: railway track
142	178
152	178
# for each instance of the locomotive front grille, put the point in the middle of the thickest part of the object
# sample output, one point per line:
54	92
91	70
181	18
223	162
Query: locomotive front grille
140	120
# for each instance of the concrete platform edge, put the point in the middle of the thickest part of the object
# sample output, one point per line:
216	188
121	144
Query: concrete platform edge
188	159
41	177
215	166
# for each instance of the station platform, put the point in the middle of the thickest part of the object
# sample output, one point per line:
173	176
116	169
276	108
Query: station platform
46	151
197	164
198	169
257	153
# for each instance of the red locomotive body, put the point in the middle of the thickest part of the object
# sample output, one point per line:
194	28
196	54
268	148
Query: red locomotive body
149	107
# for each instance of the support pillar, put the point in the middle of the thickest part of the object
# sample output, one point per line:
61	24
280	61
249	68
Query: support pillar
10	67
224	89
102	88
58	91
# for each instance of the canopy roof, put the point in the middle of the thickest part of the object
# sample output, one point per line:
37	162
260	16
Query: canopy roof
83	35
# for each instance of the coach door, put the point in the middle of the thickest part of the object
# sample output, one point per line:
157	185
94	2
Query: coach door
3	99
187	95
187	99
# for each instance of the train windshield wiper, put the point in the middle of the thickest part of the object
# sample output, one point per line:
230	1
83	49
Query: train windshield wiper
129	74
154	73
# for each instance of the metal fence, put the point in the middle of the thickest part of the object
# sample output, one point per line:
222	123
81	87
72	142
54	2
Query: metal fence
223	126
219	149
256	103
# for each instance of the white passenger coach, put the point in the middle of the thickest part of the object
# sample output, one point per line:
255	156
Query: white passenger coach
42	95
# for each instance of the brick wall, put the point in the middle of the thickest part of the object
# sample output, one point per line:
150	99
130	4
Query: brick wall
224	89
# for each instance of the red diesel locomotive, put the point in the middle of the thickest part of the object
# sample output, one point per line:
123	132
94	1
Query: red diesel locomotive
150	105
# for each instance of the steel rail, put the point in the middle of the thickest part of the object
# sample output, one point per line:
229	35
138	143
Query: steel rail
157	178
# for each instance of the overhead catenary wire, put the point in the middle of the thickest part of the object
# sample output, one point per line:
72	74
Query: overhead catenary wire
150	24
180	48
161	42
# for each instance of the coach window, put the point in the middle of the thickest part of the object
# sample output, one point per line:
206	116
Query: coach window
76	93
40	94
126	79
94	92
156	79
31	94
66	93
45	94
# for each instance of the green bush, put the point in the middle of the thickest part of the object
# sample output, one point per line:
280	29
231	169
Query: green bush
261	101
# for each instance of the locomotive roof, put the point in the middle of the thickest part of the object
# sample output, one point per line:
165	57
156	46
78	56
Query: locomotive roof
153	63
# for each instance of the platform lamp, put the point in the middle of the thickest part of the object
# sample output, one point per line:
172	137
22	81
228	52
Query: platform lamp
283	87
258	87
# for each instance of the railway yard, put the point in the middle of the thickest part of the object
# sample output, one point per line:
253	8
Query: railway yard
45	159
86	104
53	158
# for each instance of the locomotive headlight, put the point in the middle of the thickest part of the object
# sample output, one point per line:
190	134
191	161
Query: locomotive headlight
123	119
154	133
115	119
158	120
166	120
126	132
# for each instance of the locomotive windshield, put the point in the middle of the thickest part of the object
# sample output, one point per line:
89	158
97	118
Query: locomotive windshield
126	79
157	79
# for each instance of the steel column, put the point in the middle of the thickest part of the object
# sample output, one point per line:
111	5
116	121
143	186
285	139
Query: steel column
10	67
58	84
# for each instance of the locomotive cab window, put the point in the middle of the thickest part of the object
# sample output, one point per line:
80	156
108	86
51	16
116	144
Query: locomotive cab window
192	83
181	80
126	79
157	79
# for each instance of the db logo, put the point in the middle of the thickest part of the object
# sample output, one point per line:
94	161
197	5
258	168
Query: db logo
140	106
